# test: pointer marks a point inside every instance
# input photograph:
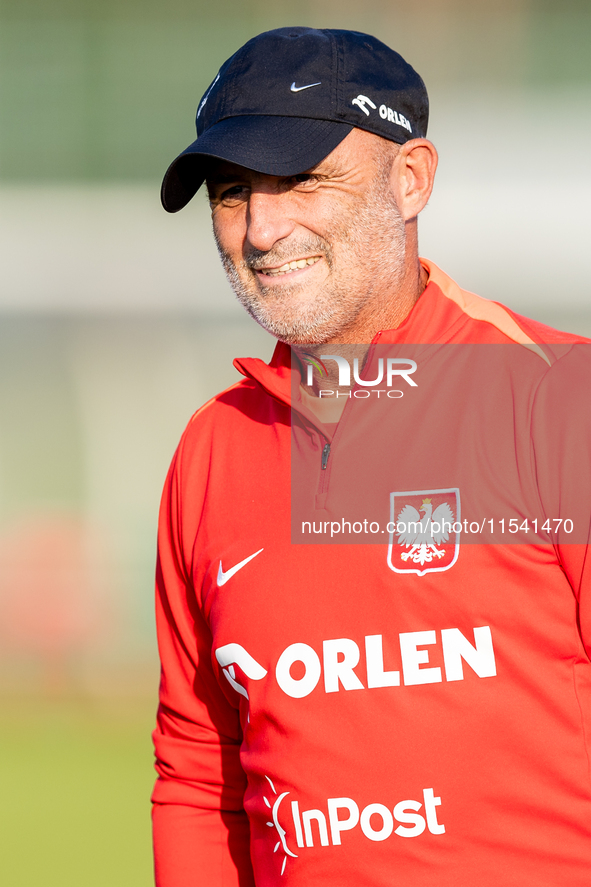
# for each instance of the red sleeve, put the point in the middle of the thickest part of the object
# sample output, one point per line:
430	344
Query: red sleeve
561	430
201	832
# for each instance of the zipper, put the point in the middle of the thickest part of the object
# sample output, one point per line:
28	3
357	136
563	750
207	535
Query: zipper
323	485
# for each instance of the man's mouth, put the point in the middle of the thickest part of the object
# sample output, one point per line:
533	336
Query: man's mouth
289	267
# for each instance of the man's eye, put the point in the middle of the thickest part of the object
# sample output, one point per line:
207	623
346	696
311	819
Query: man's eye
236	192
303	178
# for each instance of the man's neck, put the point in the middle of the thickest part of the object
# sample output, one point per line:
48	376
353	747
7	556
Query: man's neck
354	343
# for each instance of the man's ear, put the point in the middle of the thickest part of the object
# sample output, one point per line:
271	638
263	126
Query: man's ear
412	176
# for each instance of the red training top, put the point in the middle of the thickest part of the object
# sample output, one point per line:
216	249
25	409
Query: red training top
412	707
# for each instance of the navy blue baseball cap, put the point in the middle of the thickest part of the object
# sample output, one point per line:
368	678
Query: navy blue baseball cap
288	97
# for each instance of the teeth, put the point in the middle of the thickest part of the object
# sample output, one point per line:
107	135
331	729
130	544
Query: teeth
291	266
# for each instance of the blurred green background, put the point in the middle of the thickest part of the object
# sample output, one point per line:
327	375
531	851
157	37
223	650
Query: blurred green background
116	323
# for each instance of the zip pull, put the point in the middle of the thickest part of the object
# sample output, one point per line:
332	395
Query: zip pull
325	455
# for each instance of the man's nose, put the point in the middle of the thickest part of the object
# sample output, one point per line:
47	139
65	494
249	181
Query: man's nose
268	219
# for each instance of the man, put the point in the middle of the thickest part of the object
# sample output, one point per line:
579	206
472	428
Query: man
416	710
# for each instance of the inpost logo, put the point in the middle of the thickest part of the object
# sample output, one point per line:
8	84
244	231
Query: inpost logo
389	370
324	826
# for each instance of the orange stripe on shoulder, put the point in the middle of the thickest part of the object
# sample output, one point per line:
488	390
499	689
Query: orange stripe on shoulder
482	309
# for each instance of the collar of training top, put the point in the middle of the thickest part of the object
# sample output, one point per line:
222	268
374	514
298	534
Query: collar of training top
288	97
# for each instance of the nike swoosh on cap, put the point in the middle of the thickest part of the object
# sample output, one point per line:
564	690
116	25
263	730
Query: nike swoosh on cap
295	88
223	577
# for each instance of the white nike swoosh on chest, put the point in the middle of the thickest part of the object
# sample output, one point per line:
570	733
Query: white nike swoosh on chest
223	577
295	88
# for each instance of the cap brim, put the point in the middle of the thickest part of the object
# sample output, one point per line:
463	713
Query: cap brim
278	146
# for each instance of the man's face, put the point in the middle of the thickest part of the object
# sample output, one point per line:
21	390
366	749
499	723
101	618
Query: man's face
309	255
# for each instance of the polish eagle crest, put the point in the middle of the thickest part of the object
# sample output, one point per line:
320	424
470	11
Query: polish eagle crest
422	534
425	529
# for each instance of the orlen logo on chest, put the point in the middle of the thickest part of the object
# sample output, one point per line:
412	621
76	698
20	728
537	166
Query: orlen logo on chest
341	662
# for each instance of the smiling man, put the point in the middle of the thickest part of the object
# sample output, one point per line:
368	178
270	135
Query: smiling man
372	576
299	257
